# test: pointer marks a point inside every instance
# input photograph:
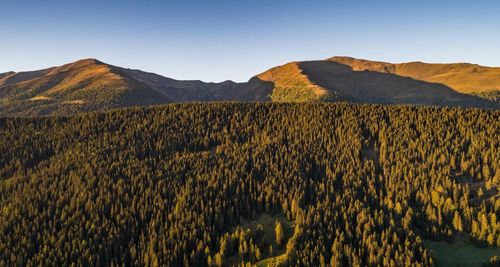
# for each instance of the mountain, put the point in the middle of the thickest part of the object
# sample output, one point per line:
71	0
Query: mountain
88	85
356	80
461	77
84	85
91	85
189	91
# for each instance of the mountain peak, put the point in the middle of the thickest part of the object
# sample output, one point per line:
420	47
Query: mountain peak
363	65
84	63
88	61
88	64
291	84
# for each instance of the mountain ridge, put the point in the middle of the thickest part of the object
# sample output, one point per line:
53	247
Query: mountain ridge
459	76
92	85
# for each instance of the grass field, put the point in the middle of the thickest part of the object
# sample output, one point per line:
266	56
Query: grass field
268	222
460	253
287	229
269	261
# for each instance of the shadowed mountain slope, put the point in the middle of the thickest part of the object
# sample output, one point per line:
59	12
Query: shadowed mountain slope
292	85
461	77
383	88
187	91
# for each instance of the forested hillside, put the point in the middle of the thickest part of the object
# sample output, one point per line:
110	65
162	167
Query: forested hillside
362	185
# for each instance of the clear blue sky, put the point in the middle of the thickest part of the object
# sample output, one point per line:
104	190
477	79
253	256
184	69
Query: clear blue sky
219	40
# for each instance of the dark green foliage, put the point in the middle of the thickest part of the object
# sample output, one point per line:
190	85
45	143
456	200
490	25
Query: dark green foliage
161	186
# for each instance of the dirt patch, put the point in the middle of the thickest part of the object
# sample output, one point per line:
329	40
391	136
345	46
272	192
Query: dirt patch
74	102
39	98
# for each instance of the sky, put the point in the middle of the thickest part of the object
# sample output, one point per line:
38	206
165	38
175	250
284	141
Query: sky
215	40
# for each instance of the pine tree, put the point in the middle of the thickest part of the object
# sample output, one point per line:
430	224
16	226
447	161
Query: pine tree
457	222
279	233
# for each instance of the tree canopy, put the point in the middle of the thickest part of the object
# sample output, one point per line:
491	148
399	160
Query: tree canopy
162	186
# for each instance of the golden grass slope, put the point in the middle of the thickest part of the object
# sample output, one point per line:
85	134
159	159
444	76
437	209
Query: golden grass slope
86	79
86	75
85	85
291	85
